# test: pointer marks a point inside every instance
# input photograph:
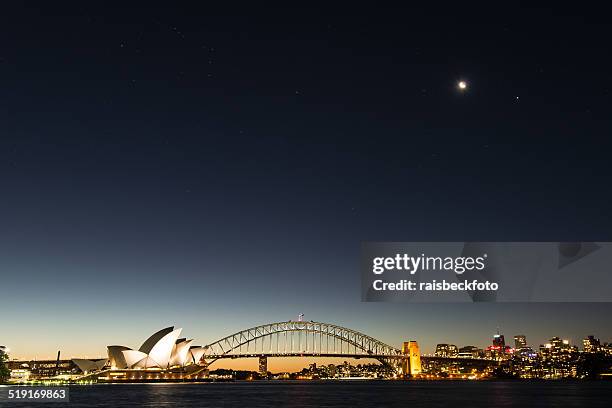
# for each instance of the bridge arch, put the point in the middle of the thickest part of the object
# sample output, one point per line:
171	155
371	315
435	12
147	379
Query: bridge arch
299	338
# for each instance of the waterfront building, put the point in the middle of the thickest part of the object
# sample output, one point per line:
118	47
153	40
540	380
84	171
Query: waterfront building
164	356
591	345
263	367
446	350
558	358
161	350
469	352
41	369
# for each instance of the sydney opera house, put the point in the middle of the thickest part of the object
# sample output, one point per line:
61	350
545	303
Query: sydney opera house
163	350
164	355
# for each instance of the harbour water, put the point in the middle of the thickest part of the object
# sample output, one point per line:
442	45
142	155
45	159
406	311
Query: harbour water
352	394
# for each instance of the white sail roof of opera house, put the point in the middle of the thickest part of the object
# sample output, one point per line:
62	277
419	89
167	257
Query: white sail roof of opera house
180	354
86	365
115	356
196	353
162	349
149	343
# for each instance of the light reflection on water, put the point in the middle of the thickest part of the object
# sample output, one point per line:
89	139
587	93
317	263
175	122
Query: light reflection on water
353	394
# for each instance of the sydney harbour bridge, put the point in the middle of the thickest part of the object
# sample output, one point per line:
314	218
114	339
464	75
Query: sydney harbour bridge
306	339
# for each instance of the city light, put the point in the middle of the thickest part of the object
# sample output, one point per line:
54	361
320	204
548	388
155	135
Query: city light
555	359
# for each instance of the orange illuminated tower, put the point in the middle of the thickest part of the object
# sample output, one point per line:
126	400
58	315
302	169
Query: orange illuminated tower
412	365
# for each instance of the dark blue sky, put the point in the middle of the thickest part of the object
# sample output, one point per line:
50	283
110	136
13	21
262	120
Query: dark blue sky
217	169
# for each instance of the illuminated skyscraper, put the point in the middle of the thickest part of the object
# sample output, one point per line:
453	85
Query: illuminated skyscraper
520	341
498	349
499	341
263	366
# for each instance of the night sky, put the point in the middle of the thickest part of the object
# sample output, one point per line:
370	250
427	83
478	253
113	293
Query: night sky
216	169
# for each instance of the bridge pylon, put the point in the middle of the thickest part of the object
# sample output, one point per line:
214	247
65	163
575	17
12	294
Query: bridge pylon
411	366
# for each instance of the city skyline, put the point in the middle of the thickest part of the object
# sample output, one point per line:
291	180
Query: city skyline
282	364
166	348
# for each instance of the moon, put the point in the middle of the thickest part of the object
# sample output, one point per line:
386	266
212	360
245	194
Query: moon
462	85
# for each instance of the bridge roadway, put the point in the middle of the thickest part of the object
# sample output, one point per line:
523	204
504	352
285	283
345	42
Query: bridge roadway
305	354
